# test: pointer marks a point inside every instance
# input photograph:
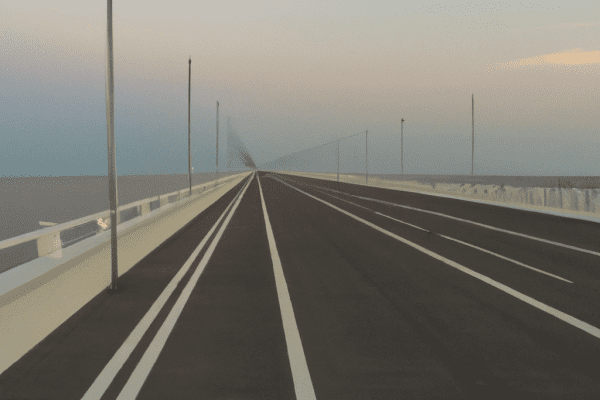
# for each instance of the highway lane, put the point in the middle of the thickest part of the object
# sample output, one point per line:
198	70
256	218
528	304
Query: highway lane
487	336
547	258
66	363
319	302
229	340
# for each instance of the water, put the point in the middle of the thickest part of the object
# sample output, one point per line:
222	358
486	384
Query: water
27	201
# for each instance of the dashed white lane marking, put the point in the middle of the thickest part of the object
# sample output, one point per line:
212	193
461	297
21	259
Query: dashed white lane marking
577	323
402	222
469	222
142	370
508	259
481	249
455	240
302	382
103	381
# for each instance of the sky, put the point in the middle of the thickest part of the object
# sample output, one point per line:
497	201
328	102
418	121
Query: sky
292	75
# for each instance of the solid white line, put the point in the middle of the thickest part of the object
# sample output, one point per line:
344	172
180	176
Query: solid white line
142	370
456	240
96	391
302	382
470	222
584	326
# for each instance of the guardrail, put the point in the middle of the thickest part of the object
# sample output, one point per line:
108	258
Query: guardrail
51	240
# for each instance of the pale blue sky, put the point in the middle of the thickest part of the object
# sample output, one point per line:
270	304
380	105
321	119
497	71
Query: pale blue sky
293	74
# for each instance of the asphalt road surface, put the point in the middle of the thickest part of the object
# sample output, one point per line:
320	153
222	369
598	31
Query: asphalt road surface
338	291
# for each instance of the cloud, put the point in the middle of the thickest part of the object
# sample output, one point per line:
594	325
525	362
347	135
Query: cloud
574	58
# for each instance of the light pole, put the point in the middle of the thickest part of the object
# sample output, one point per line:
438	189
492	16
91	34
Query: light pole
338	157
189	123
367	157
110	133
402	146
473	133
217	169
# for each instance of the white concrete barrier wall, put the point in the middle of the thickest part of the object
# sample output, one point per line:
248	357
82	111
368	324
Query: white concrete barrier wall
569	200
32	310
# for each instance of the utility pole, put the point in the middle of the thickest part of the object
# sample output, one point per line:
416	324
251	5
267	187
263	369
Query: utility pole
189	123
473	132
338	154
367	157
402	146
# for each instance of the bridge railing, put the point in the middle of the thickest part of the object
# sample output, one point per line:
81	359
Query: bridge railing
48	242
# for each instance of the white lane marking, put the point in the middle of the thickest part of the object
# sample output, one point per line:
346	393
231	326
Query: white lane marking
508	259
584	326
402	222
142	370
456	240
470	222
481	249
302	382
96	391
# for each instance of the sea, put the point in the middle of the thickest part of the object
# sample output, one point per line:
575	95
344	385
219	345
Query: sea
27	201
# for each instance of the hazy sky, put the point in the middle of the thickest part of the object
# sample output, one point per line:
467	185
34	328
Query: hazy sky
294	74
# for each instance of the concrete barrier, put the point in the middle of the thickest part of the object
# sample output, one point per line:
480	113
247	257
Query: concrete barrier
577	203
38	296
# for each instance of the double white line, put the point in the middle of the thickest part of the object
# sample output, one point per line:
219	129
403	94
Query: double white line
139	375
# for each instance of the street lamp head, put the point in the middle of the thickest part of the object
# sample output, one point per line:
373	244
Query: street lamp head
402	120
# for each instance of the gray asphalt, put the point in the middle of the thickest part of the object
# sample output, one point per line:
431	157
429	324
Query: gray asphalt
378	318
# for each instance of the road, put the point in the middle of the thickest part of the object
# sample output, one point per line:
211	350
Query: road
338	291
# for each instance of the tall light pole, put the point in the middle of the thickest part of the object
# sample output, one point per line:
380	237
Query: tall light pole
473	133
189	123
367	157
217	142
338	156
110	136
228	149
402	146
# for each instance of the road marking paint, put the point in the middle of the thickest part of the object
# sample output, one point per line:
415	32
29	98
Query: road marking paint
456	240
142	370
584	326
103	381
349	202
470	222
508	259
402	222
302	382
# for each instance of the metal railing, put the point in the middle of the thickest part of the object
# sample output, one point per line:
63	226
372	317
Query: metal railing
47	241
